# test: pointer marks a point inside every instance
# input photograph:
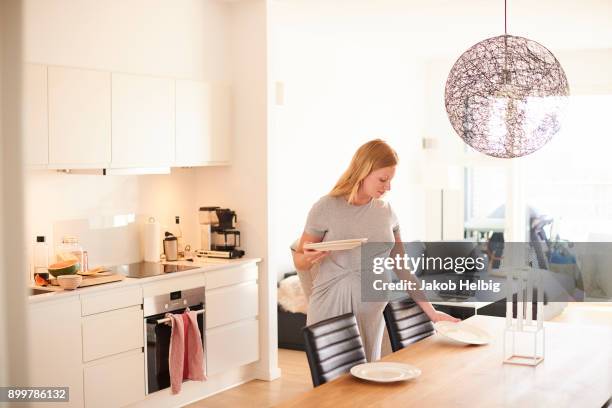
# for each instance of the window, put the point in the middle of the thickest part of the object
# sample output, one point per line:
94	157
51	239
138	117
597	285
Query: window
569	179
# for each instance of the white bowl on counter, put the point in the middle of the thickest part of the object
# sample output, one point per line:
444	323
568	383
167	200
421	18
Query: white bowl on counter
69	282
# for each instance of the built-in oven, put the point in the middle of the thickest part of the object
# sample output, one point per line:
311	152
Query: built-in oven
158	330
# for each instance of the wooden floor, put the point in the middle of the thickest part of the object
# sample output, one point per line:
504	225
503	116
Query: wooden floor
295	379
296	374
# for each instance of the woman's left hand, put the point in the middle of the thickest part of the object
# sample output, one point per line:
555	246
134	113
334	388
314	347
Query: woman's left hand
443	317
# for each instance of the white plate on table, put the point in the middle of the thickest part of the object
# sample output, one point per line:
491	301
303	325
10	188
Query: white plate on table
462	332
340	245
385	372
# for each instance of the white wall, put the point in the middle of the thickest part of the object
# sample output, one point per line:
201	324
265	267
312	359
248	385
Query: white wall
344	83
243	186
181	39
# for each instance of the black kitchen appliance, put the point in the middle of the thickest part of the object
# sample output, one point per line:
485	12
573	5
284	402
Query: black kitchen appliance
147	269
158	331
225	236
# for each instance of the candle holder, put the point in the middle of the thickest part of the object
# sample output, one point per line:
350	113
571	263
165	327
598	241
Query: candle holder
524	337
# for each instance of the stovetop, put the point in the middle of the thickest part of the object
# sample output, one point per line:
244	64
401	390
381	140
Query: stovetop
148	269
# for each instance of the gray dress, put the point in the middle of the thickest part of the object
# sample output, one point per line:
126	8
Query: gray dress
337	287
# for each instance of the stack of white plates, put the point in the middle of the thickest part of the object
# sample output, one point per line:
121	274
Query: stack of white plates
340	245
385	372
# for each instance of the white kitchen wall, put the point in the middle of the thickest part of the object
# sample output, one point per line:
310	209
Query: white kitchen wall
243	186
342	83
180	39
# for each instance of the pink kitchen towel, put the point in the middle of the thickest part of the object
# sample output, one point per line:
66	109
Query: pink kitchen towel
186	356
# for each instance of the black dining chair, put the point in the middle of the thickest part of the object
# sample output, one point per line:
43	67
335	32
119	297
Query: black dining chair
406	323
333	346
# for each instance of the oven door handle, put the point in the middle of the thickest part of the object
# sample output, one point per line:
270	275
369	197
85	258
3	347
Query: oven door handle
167	319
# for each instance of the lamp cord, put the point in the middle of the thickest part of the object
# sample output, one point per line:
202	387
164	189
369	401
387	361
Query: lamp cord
506	73
505	17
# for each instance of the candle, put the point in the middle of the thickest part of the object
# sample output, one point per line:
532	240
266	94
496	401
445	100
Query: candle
540	298
508	298
529	301
519	303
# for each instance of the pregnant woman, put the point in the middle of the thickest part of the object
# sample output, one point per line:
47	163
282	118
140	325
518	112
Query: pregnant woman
354	209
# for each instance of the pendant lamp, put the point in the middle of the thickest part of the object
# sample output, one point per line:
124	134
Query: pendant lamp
505	95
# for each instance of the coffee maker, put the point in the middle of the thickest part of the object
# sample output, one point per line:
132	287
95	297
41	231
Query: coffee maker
224	237
207	217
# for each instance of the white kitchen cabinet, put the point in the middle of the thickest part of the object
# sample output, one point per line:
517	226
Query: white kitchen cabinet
232	345
79	118
143	127
109	333
231	276
203	123
92	340
111	300
230	304
116	381
232	326
35	116
55	348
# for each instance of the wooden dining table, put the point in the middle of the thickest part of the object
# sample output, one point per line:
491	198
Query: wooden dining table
576	371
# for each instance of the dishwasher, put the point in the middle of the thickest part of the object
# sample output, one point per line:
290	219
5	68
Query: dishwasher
157	331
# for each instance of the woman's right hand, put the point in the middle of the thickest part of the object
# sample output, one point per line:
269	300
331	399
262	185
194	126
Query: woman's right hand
313	256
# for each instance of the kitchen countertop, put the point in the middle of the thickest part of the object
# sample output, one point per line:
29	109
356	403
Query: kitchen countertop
201	266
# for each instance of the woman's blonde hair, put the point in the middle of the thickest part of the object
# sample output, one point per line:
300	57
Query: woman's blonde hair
371	156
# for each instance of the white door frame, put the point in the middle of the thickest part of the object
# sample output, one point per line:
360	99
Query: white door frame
13	317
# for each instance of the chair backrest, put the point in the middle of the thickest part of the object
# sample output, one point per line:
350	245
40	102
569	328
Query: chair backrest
539	240
333	346
406	323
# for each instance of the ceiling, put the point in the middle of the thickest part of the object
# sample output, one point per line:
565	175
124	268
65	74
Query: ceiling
443	27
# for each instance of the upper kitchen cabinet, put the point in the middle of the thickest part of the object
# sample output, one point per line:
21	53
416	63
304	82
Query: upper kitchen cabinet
143	111
79	118
35	115
203	123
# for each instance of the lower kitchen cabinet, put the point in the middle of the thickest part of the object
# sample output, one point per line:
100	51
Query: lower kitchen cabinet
109	333
115	381
93	342
231	304
232	345
55	348
232	324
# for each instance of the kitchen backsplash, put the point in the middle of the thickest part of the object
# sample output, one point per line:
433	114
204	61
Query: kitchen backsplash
95	206
108	240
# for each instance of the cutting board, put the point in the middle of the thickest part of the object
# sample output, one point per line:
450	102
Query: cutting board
96	280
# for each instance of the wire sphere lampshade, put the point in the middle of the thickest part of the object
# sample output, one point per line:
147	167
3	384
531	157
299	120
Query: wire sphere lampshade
505	96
